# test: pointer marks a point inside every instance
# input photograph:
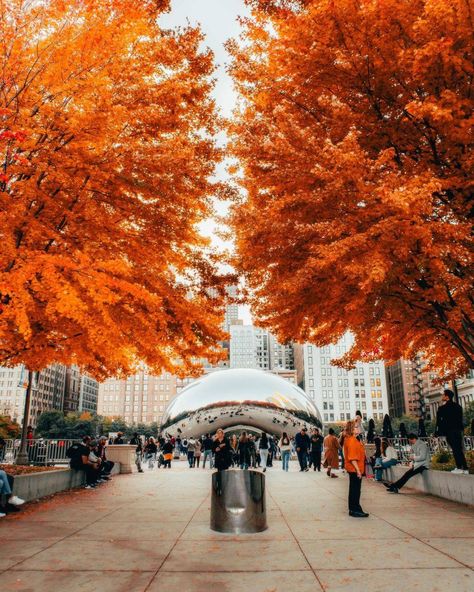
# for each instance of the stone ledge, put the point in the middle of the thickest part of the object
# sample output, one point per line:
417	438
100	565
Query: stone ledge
37	485
458	488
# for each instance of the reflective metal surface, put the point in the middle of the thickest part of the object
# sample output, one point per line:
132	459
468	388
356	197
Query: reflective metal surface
238	502
234	397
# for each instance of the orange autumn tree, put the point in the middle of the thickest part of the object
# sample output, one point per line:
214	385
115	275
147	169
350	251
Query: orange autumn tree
354	137
106	150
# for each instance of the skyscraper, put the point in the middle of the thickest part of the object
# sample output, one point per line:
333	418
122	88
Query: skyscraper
339	393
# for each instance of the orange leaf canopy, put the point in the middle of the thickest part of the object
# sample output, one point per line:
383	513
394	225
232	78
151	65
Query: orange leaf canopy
354	136
106	150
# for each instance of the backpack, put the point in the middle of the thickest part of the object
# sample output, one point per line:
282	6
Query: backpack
74	453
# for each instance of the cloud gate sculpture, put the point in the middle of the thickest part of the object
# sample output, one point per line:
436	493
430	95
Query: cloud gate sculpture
239	397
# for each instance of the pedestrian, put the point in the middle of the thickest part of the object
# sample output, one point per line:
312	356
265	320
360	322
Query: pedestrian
106	466
191	449
119	439
234	446
331	452
252	452
222	451
388	458
197	453
302	443
449	423
244	451
354	457
342	436
359	431
150	451
207	451
137	441
263	449
167	450
420	462
285	449
315	449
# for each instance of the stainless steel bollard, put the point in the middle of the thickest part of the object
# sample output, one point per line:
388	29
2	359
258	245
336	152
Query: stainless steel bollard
238	501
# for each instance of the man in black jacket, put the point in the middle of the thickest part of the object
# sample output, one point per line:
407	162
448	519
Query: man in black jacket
316	448
449	424
302	444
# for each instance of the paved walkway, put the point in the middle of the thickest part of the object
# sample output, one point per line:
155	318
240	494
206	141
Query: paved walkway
150	533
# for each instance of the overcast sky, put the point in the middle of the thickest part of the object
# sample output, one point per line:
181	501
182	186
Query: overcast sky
218	21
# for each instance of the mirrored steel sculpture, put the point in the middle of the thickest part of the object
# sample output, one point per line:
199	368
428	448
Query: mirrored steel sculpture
239	397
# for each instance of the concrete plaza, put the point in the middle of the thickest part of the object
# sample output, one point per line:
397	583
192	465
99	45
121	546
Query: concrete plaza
150	533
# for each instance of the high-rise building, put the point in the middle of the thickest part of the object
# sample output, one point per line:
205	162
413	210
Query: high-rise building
231	313
407	386
254	347
281	355
88	394
141	398
47	392
249	347
339	393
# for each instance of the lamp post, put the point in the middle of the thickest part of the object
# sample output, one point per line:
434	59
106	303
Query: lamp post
22	457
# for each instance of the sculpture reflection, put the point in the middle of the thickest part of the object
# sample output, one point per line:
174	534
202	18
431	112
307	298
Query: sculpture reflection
240	397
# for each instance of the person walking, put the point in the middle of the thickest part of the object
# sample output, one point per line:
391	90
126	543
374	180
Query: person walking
150	451
359	431
234	447
316	445
207	451
222	451
331	453
137	441
252	452
420	462
449	423
285	449
244	451
354	455
388	458
167	450
197	453
302	443
191	449
263	449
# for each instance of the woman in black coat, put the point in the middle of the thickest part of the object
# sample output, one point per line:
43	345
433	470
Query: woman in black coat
222	451
244	451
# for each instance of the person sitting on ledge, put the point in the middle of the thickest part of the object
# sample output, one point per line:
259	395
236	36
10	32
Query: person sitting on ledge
106	466
12	501
420	462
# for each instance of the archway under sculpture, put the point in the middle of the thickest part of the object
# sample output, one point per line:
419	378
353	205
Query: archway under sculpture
240	397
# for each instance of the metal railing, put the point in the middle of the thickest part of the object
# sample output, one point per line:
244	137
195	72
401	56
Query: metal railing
40	452
435	445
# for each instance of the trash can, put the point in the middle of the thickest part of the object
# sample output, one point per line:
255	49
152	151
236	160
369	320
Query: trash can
238	501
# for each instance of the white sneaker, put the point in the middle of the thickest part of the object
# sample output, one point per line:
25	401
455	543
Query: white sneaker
457	471
2	515
465	472
16	501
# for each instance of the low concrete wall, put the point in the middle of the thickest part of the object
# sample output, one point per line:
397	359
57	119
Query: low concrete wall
36	485
458	488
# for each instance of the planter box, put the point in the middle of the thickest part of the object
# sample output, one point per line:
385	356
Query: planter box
458	488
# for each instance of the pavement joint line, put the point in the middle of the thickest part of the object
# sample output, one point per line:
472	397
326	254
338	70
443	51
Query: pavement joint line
60	540
297	542
412	537
178	538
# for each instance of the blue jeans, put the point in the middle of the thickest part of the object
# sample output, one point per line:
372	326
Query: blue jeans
191	458
285	459
207	454
5	488
380	465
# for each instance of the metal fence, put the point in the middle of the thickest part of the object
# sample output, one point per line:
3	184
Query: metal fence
435	445
40	452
